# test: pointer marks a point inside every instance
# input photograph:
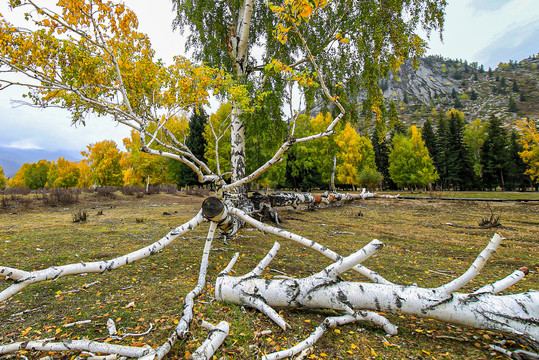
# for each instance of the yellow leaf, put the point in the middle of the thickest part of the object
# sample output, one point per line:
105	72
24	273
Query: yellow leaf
58	330
187	354
373	353
337	331
323	355
26	331
426	352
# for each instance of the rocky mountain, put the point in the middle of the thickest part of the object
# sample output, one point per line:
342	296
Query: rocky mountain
510	91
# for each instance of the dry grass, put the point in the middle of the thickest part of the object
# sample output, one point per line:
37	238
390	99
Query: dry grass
416	242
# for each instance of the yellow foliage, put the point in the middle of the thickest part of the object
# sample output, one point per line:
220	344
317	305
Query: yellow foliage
529	140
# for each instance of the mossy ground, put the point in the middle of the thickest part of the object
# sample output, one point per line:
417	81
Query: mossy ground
418	248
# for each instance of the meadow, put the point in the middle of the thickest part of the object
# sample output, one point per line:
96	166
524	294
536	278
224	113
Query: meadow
419	248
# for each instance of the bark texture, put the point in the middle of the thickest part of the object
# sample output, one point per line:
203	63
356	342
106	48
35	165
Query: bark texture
516	314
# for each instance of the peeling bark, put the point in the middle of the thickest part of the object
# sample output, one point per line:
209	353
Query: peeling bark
516	314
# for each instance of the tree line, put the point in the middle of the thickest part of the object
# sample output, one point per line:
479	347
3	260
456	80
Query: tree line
446	153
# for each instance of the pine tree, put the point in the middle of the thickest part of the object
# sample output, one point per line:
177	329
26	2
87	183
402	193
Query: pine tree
381	156
182	174
395	123
495	155
512	105
459	162
516	179
429	137
442	152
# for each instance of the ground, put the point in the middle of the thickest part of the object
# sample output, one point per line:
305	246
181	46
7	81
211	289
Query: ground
419	249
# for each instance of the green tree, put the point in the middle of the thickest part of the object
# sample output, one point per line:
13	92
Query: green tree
35	175
182	174
396	125
63	173
104	158
3	181
365	39
409	162
442	149
512	107
381	150
516	177
370	178
459	162
474	137
429	137
495	155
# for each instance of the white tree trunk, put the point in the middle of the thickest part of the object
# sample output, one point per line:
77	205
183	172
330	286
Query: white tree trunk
513	314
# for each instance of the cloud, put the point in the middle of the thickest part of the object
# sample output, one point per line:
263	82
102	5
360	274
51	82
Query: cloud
25	144
516	43
488	5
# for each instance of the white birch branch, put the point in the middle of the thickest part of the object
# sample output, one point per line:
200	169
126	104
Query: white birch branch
216	337
515	314
504	283
183	325
372	275
474	269
329	323
56	272
81	345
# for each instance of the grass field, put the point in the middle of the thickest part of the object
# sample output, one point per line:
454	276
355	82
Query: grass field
418	247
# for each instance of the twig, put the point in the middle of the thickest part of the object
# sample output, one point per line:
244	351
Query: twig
441	273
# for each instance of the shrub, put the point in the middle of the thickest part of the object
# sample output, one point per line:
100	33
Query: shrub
370	178
57	197
106	191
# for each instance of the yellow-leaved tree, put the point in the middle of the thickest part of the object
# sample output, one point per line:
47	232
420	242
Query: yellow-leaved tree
63	173
3	181
355	154
529	140
103	158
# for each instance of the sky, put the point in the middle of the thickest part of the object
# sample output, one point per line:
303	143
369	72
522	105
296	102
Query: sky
483	31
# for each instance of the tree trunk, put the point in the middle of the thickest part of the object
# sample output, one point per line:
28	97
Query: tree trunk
513	314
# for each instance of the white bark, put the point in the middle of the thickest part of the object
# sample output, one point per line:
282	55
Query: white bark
24	278
372	275
514	314
329	323
216	337
183	325
80	345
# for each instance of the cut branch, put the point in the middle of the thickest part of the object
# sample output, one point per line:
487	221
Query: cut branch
24	278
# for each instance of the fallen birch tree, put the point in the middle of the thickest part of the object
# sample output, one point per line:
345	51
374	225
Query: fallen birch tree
88	57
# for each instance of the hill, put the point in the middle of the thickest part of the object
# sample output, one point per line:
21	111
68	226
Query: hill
441	83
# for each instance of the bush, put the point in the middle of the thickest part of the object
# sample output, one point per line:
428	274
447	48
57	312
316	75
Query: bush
106	191
57	197
197	191
370	178
132	190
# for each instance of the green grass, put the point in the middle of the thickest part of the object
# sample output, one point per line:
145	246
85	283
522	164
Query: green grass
507	195
416	242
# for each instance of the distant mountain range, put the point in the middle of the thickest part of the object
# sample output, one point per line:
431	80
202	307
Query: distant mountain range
11	159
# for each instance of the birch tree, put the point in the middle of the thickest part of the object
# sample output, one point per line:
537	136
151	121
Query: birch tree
88	57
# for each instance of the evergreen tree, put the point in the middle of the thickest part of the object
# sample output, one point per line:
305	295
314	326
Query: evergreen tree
381	156
442	152
459	162
473	95
429	137
515	86
395	122
512	105
495	155
516	177
181	173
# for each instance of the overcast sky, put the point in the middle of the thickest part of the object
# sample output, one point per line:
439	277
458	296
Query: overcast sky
485	31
